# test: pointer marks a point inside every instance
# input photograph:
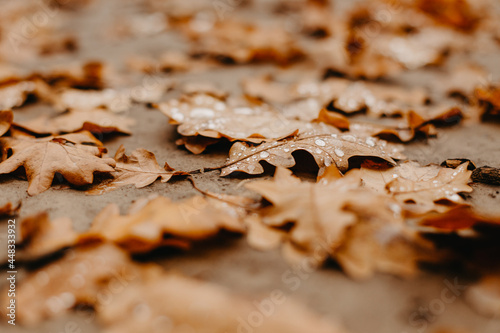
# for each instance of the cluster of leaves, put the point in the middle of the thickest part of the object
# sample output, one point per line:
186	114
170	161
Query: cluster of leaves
368	210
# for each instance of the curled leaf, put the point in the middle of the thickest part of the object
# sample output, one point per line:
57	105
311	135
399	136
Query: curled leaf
140	169
6	118
327	149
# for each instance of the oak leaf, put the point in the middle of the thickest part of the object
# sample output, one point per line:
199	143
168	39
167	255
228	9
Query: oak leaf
6	118
75	156
419	189
184	300
215	117
40	236
77	278
237	42
95	121
161	222
140	169
9	209
84	274
327	149
338	218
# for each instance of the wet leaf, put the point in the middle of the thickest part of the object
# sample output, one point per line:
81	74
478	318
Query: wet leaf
327	149
215	117
419	189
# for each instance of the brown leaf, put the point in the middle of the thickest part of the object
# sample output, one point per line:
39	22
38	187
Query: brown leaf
457	14
171	301
214	117
40	236
95	121
419	189
140	169
327	149
344	95
195	144
77	278
239	42
14	95
8	209
161	300
6	118
75	156
490	98
458	219
161	222
337	217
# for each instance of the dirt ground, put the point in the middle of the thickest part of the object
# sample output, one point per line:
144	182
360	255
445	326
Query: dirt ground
379	305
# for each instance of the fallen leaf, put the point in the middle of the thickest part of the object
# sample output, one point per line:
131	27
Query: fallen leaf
75	156
77	278
327	149
381	241
214	117
419	189
14	95
95	121
140	169
364	231
85	274
458	219
348	96
6	118
232	41
161	222
171	301
195	144
40	236
457	14
9	209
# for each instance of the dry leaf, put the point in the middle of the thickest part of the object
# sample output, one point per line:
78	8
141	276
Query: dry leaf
6	118
381	241
195	144
9	209
490	98
40	236
95	121
327	149
172	302
337	217
78	278
457	14
140	169
75	156
232	41
419	189
14	95
161	222
458	219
